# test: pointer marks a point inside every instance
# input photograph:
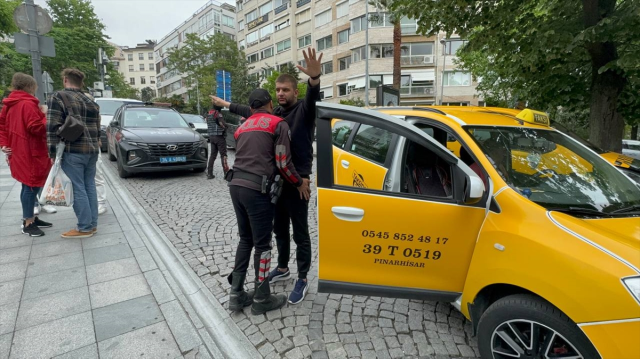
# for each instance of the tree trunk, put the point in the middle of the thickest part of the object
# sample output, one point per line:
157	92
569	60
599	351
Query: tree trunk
634	132
606	123
397	41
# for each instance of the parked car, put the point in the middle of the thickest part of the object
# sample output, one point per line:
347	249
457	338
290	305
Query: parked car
631	148
150	138
527	232
199	123
108	107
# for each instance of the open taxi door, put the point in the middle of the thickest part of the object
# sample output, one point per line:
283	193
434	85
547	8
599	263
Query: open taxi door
413	236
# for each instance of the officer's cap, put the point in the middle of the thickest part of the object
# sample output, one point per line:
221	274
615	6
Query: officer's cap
259	98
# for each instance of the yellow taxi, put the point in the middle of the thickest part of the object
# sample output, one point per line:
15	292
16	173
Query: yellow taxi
534	237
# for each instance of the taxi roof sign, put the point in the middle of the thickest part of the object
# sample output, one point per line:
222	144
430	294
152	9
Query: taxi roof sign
534	117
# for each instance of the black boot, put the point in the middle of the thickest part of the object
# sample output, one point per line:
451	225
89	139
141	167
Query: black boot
238	298
264	301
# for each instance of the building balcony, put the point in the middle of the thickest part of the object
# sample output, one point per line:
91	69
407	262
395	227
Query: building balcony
414	91
419	60
281	8
301	3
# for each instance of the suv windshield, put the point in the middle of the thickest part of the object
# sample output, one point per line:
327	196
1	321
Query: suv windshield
558	171
193	118
153	118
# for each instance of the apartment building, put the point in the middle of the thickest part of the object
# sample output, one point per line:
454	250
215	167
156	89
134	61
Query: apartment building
275	32
213	17
137	64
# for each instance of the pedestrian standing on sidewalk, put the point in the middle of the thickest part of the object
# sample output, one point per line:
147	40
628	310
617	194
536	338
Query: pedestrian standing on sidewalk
262	150
293	206
80	157
23	137
217	130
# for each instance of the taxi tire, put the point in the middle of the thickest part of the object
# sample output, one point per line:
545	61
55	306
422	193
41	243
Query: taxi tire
533	308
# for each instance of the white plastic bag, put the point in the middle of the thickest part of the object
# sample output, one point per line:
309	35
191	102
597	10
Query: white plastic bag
58	190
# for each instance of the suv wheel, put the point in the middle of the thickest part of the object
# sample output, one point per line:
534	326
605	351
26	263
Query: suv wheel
526	326
121	171
111	156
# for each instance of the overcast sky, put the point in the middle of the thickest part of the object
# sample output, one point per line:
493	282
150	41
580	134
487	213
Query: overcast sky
133	21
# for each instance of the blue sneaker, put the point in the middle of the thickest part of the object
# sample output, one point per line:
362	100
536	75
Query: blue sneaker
299	292
275	275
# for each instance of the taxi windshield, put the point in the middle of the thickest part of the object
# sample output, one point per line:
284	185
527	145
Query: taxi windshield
554	170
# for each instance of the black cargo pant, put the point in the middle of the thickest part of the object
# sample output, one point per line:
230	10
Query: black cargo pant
218	144
292	208
254	212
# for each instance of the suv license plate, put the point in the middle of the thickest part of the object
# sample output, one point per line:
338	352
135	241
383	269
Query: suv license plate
173	159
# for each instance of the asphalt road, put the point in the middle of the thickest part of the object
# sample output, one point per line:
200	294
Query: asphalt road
197	216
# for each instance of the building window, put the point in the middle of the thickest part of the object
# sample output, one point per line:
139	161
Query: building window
327	67
130	57
408	26
252	37
140	56
283	45
326	93
266	31
228	21
143	80
351	2
343	36
283	67
266	53
279	3
380	20
323	18
152	79
151	67
131	68
265	9
324	43
381	51
253	58
342	90
282	25
452	46
150	55
454	78
240	25
304	41
303	16
141	67
267	72
344	63
342	9
417	53
251	16
132	80
375	81
358	24
239	5
358	54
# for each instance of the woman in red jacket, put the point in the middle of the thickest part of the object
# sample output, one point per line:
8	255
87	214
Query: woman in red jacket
23	136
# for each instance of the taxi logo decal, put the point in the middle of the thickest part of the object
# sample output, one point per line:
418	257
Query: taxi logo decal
358	180
624	159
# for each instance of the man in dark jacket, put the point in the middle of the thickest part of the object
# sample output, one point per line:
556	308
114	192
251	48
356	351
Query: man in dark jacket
216	127
262	150
294	206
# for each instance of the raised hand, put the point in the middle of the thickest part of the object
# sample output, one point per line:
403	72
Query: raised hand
314	67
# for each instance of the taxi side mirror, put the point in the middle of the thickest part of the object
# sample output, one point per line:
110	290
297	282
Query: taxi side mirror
474	189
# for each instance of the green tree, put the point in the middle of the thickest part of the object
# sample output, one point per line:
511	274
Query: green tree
358	102
119	85
199	59
270	84
146	94
7	27
551	54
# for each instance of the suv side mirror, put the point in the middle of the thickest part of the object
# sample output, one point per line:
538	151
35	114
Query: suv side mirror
474	189
115	123
192	125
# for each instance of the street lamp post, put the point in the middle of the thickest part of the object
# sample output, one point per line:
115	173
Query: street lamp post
444	64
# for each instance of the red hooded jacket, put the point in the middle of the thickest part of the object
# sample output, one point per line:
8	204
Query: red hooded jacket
23	128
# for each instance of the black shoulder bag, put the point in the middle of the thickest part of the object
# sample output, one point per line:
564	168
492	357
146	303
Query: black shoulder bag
73	126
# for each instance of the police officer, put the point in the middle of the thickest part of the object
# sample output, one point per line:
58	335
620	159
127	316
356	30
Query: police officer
216	127
262	152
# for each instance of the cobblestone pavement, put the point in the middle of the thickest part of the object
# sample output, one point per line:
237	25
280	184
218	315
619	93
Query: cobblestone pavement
197	216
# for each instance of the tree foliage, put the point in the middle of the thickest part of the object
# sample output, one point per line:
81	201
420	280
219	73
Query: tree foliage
7	27
199	59
146	94
555	55
358	102
119	85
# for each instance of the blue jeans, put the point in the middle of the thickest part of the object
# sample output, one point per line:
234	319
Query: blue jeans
81	170
28	198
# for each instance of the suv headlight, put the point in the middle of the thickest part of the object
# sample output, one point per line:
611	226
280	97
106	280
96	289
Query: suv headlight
633	286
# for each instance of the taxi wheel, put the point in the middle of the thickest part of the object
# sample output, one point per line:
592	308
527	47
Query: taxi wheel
526	326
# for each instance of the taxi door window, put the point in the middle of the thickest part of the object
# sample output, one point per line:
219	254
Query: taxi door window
425	173
371	143
341	132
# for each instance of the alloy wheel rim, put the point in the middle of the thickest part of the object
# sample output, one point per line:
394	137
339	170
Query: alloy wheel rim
522	338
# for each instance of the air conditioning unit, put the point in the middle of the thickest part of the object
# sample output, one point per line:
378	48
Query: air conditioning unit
428	59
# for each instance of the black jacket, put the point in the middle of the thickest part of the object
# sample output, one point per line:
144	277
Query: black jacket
301	118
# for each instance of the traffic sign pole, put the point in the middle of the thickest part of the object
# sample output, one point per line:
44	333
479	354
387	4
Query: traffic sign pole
35	49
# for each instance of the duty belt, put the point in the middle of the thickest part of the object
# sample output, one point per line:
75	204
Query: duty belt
262	181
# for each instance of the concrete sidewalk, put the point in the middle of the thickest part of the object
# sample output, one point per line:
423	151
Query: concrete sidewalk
107	296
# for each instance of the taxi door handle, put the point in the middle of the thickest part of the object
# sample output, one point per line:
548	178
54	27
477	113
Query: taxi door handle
348	214
345	163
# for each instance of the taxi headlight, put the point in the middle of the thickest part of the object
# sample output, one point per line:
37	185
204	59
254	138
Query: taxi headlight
633	286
